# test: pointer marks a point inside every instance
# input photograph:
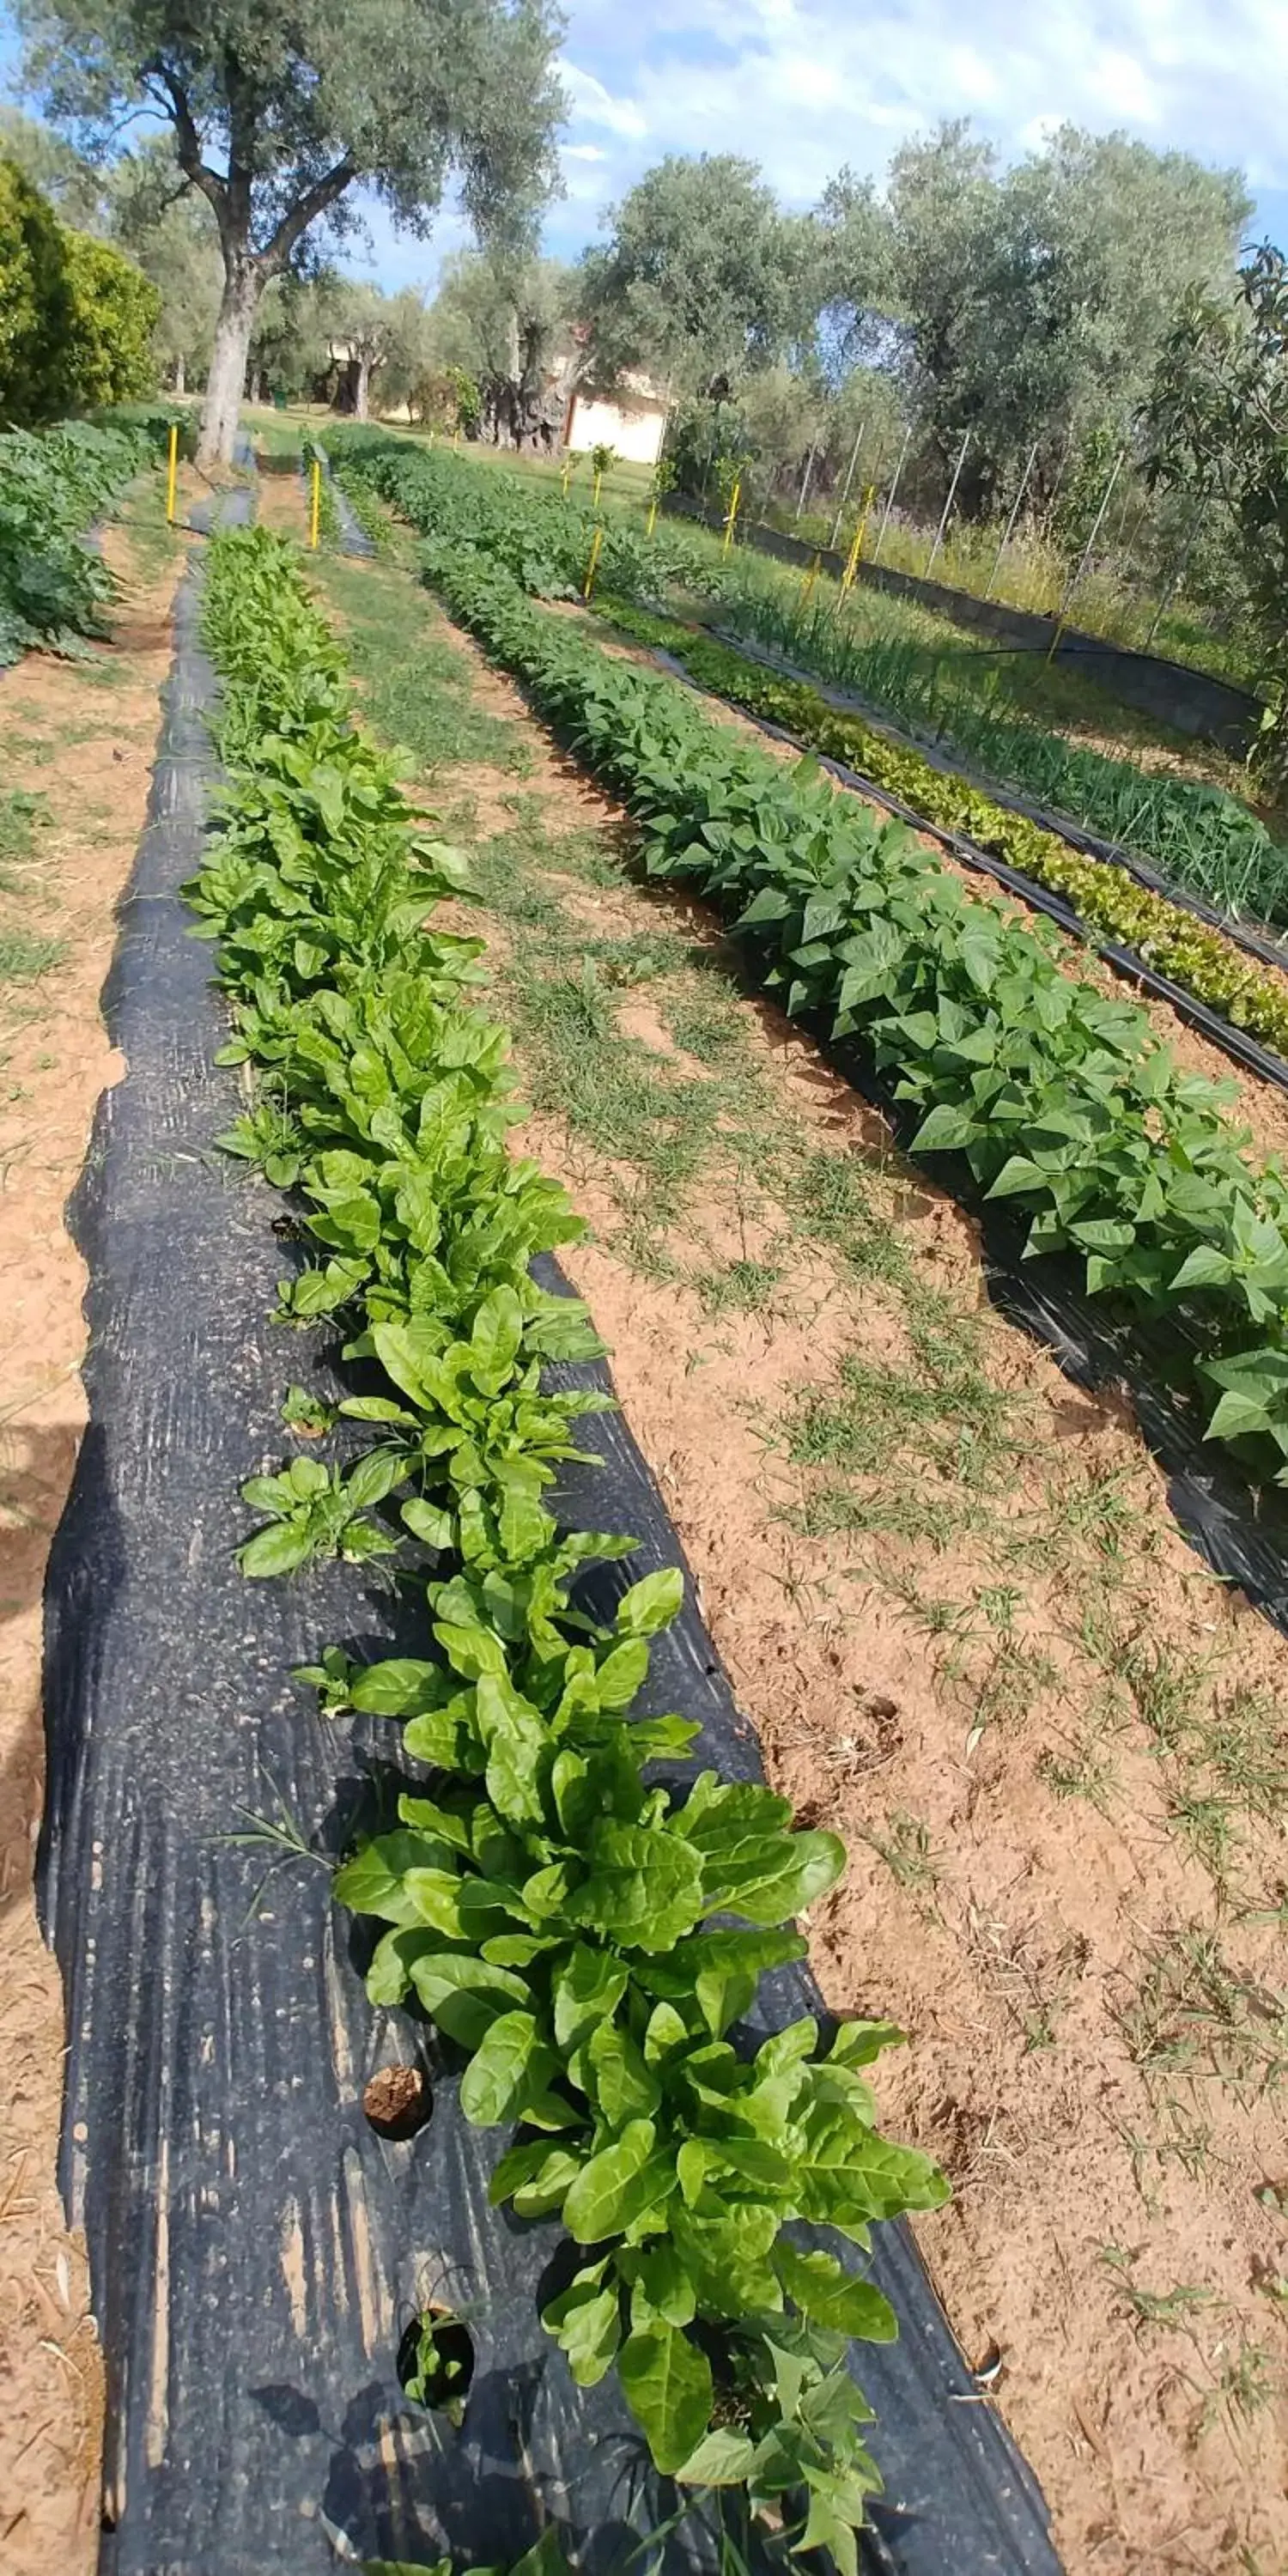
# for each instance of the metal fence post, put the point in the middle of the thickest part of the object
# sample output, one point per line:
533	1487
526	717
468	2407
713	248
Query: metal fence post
952	494
1015	512
885	515
836	523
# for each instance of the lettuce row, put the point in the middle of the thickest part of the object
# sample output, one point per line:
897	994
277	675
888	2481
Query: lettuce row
590	1934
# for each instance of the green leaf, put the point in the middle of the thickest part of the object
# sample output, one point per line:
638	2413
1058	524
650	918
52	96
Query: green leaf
1205	1268
667	2384
502	2073
585	2321
374	1881
625	2088
281	1549
400	1687
644	1888
617	2185
651	1604
465	1996
723	2459
830	2296
944	1130
375	1476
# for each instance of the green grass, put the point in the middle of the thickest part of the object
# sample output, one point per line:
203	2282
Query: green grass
1196	2016
24	957
421	697
23	817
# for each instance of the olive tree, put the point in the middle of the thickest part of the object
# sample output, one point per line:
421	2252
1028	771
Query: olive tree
1217	430
282	109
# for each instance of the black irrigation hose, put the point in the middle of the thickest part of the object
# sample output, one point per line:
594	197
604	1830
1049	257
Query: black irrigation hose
255	2248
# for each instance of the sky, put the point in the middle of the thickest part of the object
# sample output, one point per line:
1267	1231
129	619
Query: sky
803	86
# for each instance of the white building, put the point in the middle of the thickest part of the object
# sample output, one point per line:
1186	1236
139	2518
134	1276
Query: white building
632	421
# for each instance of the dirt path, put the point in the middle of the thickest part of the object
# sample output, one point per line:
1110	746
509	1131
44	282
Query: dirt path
78	741
950	1593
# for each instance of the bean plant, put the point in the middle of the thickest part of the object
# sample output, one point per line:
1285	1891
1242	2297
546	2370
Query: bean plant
1060	1097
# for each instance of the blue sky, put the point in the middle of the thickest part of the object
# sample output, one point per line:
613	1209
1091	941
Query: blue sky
804	85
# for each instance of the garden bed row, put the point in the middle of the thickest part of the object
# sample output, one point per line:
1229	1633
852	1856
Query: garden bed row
542	1860
545	545
1062	1101
1177	952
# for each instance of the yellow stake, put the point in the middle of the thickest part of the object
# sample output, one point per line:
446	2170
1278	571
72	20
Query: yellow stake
566	472
589	582
652	516
852	559
173	474
807	586
734	498
594	498
316	512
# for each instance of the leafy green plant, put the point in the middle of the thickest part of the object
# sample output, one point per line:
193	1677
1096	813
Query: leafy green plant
440	2364
1059	1097
593	1938
1112	903
53	483
545	2559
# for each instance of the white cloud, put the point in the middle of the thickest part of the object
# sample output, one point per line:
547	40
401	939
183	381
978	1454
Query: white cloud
593	104
802	86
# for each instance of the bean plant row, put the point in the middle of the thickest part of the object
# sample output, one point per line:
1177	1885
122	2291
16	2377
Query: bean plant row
53	484
1111	903
1200	837
578	1909
1060	1098
525	531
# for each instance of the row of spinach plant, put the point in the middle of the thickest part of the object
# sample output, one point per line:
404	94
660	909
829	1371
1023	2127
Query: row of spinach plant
574	1907
1060	1097
547	550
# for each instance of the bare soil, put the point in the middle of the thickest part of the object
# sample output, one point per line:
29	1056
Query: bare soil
80	736
1065	1880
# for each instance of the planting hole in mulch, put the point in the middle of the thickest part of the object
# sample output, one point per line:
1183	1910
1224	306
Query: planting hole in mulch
436	2362
398	2101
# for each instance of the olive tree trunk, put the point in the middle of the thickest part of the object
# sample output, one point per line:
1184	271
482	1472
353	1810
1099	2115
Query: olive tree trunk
227	378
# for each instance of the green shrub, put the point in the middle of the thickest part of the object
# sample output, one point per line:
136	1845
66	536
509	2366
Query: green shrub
109	357
36	303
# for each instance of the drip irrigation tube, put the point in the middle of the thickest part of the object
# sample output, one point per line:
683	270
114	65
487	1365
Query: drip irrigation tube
256	2249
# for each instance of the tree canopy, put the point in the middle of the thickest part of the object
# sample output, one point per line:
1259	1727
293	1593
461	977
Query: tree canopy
1032	302
279	107
702	276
